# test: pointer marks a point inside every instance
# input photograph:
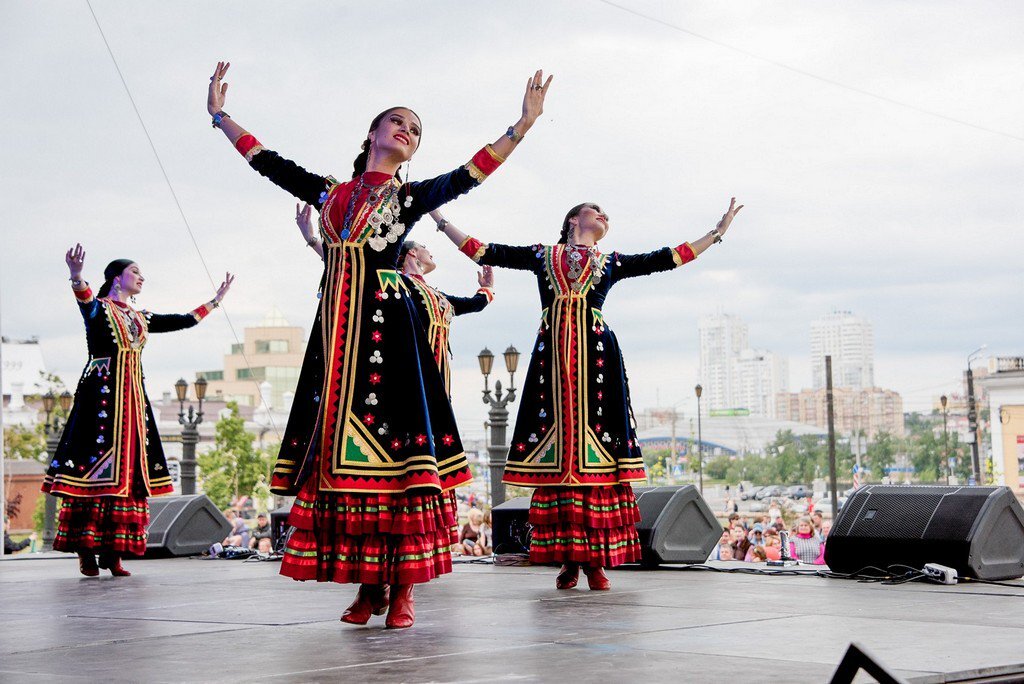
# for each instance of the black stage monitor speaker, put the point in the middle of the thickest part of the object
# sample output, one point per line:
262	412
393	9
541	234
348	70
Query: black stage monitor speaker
183	525
510	526
979	531
676	525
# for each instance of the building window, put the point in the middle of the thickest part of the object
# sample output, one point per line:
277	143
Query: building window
238	348
251	374
210	375
271	346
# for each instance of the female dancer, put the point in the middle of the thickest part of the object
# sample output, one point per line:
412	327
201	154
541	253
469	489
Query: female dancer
574	439
110	457
371	444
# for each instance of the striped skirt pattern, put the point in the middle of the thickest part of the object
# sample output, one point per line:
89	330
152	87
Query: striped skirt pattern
594	526
103	524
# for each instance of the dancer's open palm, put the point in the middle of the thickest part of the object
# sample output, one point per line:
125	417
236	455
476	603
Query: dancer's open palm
533	100
728	216
218	90
224	287
75	259
486	277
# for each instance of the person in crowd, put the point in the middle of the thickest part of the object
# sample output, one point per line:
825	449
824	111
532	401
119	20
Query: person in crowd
11	546
725	552
756	539
804	544
371	448
239	534
110	459
738	541
756	554
469	537
772	544
779	524
774	510
816	519
731	506
262	537
574	440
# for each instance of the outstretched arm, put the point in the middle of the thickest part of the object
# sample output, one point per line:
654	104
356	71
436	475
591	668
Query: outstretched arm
161	323
483	296
304	219
75	259
284	173
667	258
493	254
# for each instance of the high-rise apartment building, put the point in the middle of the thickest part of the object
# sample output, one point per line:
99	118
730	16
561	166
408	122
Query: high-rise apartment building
849	340
722	338
759	377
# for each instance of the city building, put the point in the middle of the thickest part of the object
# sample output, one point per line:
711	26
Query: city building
270	353
23	373
850	342
1004	383
733	375
868	411
759	376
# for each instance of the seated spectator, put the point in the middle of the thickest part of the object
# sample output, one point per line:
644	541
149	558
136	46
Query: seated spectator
804	544
239	534
733	519
772	545
262	538
470	535
486	538
738	542
774	511
779	523
756	554
756	535
816	519
11	546
826	527
725	552
744	521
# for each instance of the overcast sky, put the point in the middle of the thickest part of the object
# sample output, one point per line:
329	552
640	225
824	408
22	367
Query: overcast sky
907	219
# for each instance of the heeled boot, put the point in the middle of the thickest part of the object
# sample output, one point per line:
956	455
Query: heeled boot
596	579
109	561
568	576
371	599
402	612
87	564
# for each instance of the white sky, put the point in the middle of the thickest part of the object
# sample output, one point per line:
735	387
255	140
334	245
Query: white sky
906	219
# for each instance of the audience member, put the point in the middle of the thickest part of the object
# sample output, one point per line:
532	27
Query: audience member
816	519
239	534
738	542
804	544
11	546
772	545
470	535
262	537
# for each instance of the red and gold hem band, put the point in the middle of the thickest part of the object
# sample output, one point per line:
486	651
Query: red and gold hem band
487	292
248	146
84	296
473	248
683	254
484	163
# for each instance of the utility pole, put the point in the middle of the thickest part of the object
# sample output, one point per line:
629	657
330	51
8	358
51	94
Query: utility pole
831	437
972	417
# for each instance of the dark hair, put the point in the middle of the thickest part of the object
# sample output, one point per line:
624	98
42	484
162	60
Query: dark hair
113	269
573	213
404	250
359	165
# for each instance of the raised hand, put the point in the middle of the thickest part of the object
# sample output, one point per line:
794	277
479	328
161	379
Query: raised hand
224	287
304	220
75	259
533	99
218	91
728	216
486	277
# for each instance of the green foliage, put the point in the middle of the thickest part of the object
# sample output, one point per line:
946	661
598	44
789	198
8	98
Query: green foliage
234	466
882	453
25	443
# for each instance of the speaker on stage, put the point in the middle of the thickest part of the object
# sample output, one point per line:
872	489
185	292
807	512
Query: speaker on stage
979	531
510	526
676	525
183	525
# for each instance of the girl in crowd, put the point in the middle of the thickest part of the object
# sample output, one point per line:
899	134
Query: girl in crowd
574	440
371	444
110	458
805	545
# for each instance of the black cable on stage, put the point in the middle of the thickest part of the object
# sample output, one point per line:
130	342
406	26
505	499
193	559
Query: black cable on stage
181	211
816	77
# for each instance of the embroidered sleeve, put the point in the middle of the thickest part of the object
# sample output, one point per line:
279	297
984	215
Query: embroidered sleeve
84	296
430	194
161	323
478	302
88	305
484	163
202	311
521	258
307	186
664	259
683	254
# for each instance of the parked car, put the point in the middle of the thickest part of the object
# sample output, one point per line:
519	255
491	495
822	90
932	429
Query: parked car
750	493
757	507
770	492
799	492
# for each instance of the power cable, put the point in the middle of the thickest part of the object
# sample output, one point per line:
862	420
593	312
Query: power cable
181	212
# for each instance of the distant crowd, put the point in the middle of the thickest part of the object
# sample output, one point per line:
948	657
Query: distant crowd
759	539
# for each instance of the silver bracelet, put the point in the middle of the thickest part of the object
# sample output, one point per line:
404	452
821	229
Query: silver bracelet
715	234
312	242
441	225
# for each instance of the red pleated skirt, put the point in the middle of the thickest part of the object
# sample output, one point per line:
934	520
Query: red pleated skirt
103	524
383	538
595	526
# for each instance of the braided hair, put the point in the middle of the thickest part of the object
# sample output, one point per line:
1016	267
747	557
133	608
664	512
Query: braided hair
566	226
359	165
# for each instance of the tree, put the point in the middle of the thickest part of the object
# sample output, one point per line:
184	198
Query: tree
25	443
233	467
882	453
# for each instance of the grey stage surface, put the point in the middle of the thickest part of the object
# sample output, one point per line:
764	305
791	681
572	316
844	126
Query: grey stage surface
193	620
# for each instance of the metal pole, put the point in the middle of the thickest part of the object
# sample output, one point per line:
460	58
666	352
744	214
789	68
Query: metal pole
972	424
831	437
50	502
945	445
700	450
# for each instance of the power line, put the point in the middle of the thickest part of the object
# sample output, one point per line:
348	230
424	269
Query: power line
181	211
816	77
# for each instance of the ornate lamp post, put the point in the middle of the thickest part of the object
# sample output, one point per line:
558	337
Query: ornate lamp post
497	417
189	432
698	390
945	438
52	428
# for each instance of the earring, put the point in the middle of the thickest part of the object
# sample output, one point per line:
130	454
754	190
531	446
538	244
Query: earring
117	286
408	197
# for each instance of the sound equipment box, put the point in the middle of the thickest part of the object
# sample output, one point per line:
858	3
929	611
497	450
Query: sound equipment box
676	525
978	531
183	525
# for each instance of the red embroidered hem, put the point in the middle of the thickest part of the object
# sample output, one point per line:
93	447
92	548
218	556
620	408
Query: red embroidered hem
590	525
102	524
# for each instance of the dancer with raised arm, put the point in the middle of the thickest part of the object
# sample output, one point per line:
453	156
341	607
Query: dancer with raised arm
574	438
371	444
110	458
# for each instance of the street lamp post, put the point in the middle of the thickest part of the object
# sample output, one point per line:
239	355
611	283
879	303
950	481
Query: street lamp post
497	417
972	416
945	438
698	390
52	428
189	432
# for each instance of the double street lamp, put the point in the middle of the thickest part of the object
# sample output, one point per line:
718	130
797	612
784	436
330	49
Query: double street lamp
497	417
53	428
190	431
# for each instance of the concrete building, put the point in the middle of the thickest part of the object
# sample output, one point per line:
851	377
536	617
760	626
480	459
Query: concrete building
22	374
722	338
270	353
850	342
1005	386
870	410
759	377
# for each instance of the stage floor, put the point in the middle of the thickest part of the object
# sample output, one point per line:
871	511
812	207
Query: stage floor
197	620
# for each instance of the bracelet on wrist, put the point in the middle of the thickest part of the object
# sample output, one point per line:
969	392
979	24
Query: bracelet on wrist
214	303
513	135
218	117
716	235
441	225
312	242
